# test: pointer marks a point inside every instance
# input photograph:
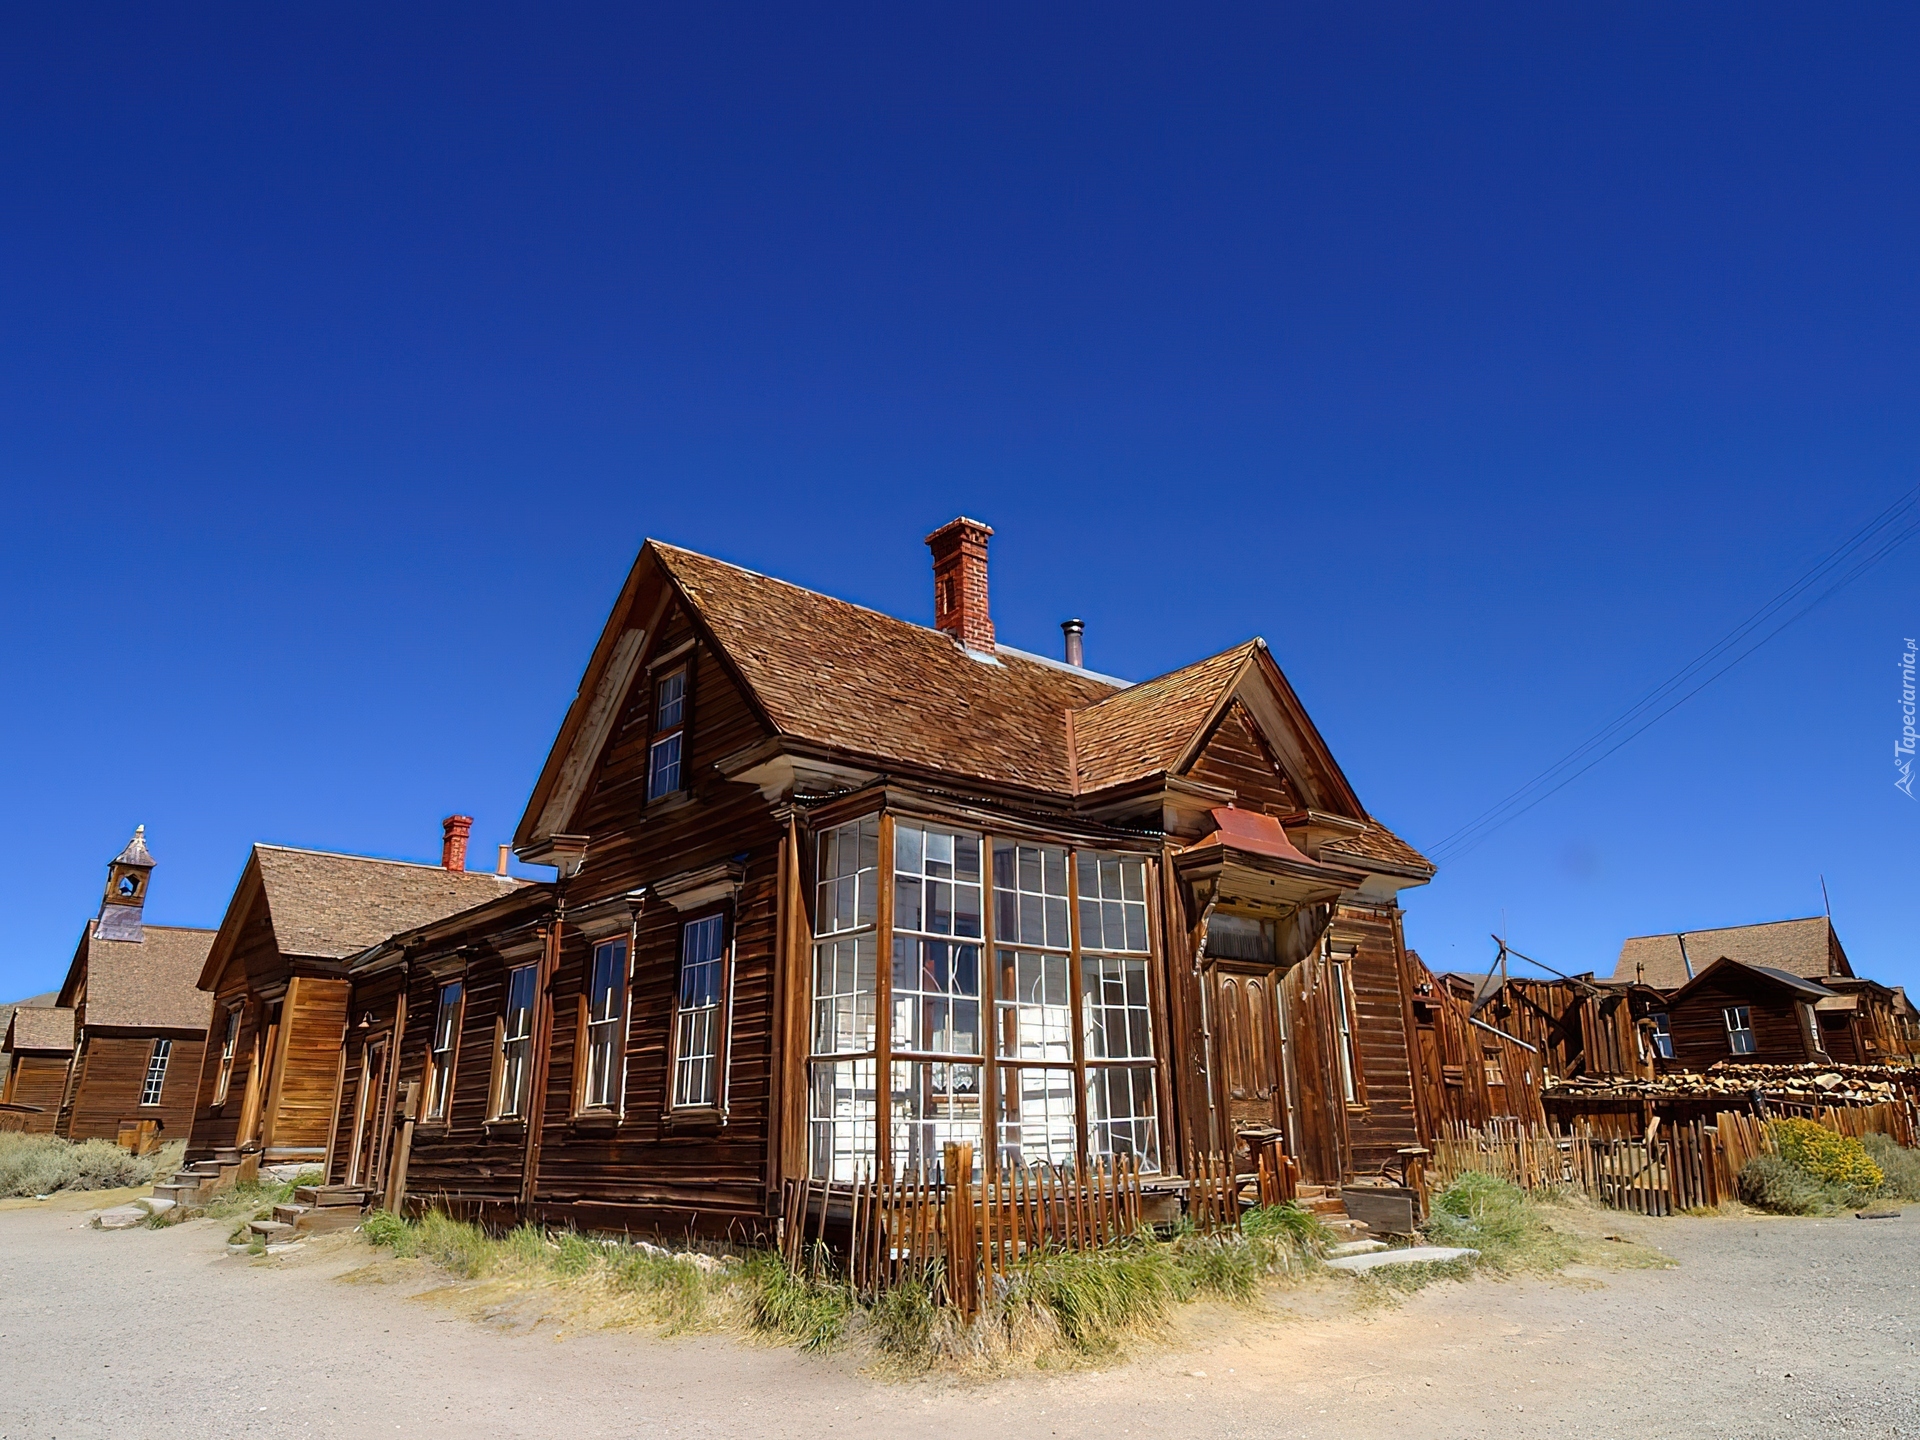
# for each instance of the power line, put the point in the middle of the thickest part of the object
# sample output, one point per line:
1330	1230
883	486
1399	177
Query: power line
1852	558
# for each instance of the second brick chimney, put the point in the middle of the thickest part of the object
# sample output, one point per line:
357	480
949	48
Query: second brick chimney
453	841
960	582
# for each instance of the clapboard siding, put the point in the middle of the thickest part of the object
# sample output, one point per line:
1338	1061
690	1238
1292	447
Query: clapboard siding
112	1075
39	1080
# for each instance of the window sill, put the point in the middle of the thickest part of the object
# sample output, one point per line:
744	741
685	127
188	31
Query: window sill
695	1117
666	804
595	1122
508	1126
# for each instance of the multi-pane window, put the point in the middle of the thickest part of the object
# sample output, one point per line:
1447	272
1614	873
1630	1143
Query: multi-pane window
516	1043
446	1038
669	731
1070	1068
935	1032
842	1100
1739	1030
156	1072
696	1063
223	1081
606	1019
1033	1004
1663	1036
1116	1017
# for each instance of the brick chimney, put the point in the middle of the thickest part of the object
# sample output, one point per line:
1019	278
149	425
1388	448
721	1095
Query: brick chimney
453	841
960	582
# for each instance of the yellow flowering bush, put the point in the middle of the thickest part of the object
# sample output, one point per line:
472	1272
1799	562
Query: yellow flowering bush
1836	1159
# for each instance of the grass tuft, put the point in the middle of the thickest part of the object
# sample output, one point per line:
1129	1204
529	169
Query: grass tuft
1509	1228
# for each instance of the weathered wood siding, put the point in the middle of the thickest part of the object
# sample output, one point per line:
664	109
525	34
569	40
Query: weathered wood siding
39	1080
112	1074
300	1109
1234	756
1384	1121
217	1126
1700	1027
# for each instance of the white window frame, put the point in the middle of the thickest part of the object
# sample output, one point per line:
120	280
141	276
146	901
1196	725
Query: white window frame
1114	936
223	1079
604	1086
1662	1034
1745	1027
443	1048
699	1039
1343	1038
515	1060
155	1083
666	750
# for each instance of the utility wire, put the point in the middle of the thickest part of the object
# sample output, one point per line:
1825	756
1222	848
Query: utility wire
1852	558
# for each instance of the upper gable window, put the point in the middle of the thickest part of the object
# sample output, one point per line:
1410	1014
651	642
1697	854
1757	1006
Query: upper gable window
664	767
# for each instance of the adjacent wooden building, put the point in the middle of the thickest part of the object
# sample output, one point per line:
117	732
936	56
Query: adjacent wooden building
276	975
38	1052
834	889
140	1020
1794	985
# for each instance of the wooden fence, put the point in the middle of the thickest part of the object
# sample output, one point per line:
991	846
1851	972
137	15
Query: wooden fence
1669	1169
962	1240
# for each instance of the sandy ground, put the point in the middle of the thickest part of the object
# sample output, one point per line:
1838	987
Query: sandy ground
1765	1328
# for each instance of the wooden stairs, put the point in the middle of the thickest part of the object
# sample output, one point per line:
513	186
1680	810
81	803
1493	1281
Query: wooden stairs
314	1210
191	1188
1332	1210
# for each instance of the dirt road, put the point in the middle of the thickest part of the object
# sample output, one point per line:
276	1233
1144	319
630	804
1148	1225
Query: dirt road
1767	1328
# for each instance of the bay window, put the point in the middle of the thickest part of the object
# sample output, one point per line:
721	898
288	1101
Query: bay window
1044	1055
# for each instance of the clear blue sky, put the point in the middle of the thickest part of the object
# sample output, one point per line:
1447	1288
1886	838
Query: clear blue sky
1489	362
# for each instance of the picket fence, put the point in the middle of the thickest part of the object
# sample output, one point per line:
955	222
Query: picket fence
961	1240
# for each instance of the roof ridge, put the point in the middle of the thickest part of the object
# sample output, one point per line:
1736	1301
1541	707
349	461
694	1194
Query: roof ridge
1255	643
1717	929
376	860
1000	647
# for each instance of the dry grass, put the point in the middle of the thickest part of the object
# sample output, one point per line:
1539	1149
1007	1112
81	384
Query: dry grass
1056	1307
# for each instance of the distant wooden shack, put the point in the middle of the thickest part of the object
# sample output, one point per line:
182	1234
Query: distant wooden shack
39	1051
277	977
1794	995
140	1019
836	889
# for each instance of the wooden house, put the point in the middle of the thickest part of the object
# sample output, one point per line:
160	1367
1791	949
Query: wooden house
834	889
38	1052
140	1019
276	972
1856	1020
1743	1013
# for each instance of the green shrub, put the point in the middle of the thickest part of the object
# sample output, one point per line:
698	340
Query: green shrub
1900	1166
47	1165
804	1309
1828	1156
1769	1182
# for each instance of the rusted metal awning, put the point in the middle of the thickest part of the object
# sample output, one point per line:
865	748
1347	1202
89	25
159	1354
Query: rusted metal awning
1249	860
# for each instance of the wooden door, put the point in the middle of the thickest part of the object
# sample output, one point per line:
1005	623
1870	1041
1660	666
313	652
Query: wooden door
1247	1041
369	1135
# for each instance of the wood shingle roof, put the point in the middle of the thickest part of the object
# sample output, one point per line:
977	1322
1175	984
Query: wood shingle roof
329	906
148	984
1806	948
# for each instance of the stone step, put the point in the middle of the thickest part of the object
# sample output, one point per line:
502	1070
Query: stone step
156	1204
1355	1247
1417	1255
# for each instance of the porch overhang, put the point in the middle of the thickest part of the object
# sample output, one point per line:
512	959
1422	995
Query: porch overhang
1249	861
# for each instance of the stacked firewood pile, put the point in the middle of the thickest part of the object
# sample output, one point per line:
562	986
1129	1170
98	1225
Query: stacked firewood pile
1789	1084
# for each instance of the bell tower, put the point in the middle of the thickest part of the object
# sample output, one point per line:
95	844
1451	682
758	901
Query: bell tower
126	898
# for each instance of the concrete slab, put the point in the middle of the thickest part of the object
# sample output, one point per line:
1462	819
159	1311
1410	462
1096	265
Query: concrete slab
1416	1255
121	1217
1356	1247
